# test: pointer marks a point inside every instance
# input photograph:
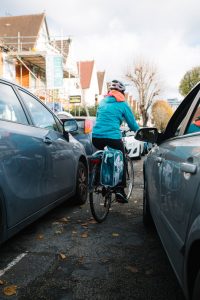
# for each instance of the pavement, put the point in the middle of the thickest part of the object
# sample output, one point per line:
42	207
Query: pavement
68	256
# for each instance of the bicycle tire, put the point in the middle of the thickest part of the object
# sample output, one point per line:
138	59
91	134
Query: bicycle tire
129	177
100	200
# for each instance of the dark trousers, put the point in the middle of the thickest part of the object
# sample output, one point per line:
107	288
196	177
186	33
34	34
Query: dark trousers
115	144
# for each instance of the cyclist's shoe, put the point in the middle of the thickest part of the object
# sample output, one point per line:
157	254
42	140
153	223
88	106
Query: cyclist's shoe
121	196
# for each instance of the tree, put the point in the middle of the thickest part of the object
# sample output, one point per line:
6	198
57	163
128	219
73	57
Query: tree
189	80
161	113
144	77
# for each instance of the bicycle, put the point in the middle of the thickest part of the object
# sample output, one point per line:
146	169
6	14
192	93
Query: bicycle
101	197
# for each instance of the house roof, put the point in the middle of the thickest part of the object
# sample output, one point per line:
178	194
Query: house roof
100	78
25	25
85	69
63	46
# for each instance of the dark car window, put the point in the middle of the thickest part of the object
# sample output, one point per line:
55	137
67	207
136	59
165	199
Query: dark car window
40	115
194	123
81	126
179	120
10	106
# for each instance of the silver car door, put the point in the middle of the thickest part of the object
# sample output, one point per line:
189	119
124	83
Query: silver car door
152	173
61	163
22	159
179	184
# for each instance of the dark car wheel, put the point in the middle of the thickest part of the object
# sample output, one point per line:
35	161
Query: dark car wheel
147	218
140	154
196	290
81	184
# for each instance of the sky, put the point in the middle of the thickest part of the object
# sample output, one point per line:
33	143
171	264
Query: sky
115	33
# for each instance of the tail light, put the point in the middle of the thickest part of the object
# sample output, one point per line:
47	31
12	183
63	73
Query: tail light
95	161
88	126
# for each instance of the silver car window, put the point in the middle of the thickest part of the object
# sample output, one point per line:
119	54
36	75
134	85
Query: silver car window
10	106
40	115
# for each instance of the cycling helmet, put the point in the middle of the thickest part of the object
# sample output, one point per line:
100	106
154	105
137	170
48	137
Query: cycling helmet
116	85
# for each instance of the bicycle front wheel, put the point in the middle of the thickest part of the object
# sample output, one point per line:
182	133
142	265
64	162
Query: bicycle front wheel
129	177
100	201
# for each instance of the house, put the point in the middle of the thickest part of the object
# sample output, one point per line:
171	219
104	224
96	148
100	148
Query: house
34	59
88	82
92	83
102	85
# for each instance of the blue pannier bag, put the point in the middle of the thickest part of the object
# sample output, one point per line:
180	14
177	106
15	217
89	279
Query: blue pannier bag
111	167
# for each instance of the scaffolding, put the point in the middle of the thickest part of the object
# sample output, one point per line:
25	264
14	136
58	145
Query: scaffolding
30	54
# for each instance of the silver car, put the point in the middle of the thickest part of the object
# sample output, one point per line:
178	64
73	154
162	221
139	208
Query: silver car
41	164
172	190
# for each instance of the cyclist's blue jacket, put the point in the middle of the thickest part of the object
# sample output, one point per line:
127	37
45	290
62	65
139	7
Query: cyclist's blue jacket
110	114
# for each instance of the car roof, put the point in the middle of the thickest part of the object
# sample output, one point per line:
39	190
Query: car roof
64	114
85	118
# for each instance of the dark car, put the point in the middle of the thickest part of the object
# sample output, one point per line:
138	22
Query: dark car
172	190
84	132
41	164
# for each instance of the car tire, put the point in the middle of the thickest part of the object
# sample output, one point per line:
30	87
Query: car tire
143	152
196	289
139	154
81	184
147	218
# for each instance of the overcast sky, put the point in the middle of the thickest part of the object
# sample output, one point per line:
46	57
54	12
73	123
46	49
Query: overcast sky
115	32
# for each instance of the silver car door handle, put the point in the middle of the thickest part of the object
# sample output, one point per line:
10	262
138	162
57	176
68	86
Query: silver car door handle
188	168
47	140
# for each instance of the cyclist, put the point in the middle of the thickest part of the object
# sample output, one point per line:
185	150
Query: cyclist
112	110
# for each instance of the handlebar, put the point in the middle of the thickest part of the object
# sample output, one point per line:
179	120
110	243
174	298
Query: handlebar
124	131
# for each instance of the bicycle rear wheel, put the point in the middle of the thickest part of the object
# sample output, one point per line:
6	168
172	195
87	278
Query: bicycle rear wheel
100	201
129	177
100	204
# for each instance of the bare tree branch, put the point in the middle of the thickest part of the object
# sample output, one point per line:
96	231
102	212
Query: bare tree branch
144	78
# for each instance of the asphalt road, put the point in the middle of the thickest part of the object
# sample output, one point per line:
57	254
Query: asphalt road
66	255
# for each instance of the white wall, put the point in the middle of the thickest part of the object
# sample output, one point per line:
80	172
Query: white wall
9	71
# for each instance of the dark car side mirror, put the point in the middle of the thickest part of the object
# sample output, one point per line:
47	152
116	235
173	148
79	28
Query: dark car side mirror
70	125
147	134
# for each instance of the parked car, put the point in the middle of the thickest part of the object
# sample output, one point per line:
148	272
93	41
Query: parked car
84	132
172	190
135	147
41	164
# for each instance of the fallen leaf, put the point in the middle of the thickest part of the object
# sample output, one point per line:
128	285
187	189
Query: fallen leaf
115	234
92	221
62	256
132	269
2	282
84	224
64	220
104	260
40	236
84	235
10	290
